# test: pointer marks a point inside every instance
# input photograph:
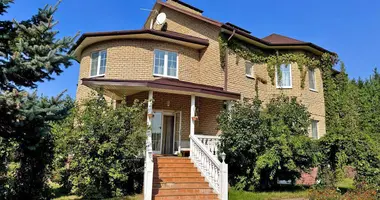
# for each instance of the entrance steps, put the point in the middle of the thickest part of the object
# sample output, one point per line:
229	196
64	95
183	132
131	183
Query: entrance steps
176	178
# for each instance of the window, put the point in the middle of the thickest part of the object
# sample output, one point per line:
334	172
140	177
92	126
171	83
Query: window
249	69
312	84
98	63
165	63
285	81
314	129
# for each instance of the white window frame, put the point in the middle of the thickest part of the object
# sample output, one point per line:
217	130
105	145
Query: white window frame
99	61
290	76
166	61
311	128
245	69
315	80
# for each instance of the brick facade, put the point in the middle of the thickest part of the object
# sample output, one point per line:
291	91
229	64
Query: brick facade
132	59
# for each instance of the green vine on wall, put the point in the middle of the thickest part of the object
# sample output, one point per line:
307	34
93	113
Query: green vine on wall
274	59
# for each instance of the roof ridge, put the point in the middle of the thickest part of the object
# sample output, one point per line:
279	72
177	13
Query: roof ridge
280	35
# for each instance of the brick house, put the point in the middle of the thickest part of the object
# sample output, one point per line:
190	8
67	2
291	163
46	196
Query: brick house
178	65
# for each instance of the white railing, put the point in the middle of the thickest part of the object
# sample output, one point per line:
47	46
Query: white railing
210	142
215	172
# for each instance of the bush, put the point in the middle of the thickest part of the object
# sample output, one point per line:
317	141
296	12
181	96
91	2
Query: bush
362	191
105	145
324	194
266	144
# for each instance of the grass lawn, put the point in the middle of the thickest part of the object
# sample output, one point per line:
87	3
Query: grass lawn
347	183
283	193
73	197
60	196
299	194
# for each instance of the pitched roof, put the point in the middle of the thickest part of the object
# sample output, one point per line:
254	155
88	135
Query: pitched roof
81	42
188	5
273	40
280	39
164	83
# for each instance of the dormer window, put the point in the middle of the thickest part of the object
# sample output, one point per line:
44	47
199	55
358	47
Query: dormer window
98	63
165	64
285	81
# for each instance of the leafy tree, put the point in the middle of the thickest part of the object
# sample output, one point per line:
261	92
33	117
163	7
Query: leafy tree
100	148
30	53
266	144
347	141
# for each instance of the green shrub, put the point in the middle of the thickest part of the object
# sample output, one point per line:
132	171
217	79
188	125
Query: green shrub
264	144
102	150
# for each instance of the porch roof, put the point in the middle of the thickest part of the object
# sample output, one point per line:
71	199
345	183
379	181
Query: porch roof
120	88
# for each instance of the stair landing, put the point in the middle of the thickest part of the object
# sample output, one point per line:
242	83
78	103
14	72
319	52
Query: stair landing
176	178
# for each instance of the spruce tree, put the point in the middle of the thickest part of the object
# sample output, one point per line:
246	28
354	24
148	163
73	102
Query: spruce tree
30	53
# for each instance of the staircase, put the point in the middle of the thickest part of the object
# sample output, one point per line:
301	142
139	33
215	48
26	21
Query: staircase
177	178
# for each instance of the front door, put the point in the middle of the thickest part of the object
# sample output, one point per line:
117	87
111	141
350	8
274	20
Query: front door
163	132
168	134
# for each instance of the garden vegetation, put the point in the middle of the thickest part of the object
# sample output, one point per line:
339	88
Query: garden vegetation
94	149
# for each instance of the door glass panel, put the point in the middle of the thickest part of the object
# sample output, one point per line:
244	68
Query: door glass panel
156	132
177	137
168	133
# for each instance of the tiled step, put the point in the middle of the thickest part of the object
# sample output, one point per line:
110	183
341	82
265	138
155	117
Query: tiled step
163	165
178	179
177	169
186	197
160	160
181	191
165	185
177	174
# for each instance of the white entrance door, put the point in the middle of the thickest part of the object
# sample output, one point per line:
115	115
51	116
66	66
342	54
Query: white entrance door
157	132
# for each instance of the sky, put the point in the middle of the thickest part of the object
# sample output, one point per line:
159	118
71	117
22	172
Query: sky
350	28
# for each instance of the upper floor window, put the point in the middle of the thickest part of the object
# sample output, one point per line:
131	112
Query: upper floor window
165	63
314	129
312	83
284	77
249	69
98	63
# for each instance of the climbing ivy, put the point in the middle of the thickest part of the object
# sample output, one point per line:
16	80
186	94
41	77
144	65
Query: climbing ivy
274	59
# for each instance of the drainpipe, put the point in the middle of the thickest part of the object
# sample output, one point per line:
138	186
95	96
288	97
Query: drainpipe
226	62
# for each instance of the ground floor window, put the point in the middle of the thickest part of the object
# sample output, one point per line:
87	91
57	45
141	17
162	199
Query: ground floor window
314	129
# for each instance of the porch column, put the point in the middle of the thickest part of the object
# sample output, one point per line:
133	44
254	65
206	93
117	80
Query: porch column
192	114
192	122
148	172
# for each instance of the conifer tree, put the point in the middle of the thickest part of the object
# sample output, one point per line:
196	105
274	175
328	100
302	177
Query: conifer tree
30	53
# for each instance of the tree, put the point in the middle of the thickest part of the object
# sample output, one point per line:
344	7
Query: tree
348	141
264	144
30	53
100	148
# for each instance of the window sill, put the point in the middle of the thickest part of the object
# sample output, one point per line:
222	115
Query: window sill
98	76
313	90
249	76
172	77
288	87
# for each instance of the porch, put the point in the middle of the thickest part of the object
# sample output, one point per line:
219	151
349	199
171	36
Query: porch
181	117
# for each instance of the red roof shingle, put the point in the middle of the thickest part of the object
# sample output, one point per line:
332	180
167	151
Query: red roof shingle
280	39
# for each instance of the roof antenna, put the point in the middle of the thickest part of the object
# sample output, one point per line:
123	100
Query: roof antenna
152	20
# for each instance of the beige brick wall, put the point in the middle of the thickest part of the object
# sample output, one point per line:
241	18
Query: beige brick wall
133	60
314	100
209	109
210	69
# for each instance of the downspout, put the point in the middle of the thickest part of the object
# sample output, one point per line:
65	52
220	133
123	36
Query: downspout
226	62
